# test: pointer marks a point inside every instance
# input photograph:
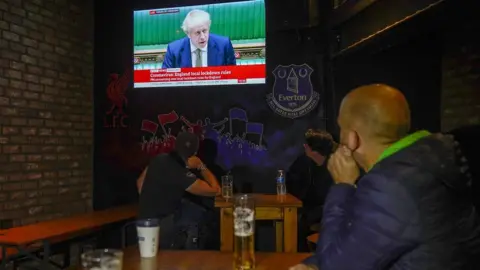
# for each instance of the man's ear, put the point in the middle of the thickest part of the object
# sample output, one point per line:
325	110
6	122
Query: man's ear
307	148
353	140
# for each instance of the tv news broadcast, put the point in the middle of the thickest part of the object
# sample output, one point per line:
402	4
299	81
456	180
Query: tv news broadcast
213	44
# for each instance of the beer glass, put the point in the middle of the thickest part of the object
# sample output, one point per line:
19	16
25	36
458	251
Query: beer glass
244	231
227	186
104	259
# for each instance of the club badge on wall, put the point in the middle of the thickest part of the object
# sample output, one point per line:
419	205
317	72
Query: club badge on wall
292	95
115	116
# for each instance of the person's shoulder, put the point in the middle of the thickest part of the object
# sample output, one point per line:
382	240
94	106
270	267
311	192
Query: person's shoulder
301	161
162	159
177	44
220	39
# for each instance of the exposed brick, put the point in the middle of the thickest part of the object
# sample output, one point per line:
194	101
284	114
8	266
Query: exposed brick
18	84
4	25
18	29
10	36
17	65
461	77
34	70
29	42
3	5
14	74
28	59
19	48
45	111
13	18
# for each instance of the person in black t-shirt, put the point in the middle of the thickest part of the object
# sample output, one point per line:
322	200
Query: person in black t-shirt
309	180
163	183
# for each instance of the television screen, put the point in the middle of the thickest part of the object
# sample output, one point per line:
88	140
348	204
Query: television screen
214	44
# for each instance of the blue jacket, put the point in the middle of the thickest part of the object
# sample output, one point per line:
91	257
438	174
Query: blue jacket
413	210
220	53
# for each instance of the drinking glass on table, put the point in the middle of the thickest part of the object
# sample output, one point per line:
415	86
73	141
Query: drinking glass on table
227	186
102	259
244	231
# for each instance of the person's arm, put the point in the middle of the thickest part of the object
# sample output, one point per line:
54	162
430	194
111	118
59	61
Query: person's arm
365	228
230	55
202	188
168	59
140	180
209	177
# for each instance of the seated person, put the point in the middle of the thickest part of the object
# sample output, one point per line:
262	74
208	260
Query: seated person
199	48
413	208
163	183
196	221
309	180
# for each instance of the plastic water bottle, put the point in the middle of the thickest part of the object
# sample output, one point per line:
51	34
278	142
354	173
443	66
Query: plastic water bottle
281	187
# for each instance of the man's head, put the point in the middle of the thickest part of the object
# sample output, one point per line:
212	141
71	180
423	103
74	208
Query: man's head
319	145
371	118
186	144
197	27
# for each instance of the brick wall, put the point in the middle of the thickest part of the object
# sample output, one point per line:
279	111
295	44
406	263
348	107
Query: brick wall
461	76
46	77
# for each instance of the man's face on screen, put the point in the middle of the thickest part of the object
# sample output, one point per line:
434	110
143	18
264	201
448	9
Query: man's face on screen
198	34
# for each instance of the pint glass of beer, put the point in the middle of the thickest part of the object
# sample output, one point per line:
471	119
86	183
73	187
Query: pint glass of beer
244	230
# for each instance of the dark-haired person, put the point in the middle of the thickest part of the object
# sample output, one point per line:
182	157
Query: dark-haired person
309	180
163	184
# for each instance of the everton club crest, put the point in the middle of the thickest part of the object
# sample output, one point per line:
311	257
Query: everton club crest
293	94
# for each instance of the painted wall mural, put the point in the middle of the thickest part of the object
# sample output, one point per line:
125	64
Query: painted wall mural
239	142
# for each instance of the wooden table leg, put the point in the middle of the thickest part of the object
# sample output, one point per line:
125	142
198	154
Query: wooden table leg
226	229
278	236
290	229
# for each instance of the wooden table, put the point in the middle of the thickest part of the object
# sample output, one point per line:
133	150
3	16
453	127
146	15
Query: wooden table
205	260
23	240
280	209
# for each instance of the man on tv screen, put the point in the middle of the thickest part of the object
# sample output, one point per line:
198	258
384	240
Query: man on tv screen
199	48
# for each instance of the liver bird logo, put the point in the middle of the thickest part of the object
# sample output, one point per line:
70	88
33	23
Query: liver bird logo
116	90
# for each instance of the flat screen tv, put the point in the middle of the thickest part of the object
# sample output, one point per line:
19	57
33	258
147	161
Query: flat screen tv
214	44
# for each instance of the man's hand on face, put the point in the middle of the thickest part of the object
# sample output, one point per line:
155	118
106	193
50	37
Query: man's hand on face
342	166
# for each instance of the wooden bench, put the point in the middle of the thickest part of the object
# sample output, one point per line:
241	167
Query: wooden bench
312	241
313	238
25	240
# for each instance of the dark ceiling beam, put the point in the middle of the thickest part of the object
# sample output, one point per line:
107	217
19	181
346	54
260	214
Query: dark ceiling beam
385	17
348	10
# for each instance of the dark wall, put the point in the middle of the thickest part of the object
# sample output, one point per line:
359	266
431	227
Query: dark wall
122	148
413	66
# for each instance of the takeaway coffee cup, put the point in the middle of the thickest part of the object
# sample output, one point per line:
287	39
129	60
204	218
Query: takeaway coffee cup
148	231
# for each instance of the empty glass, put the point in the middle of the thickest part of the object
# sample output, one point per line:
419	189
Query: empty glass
227	186
102	259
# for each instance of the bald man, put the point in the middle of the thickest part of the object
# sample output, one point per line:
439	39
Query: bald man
412	210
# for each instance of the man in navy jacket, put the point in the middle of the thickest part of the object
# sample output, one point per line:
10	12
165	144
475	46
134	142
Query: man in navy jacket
199	48
412	210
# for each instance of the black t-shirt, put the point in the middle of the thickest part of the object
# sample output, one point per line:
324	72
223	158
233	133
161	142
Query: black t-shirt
308	182
164	186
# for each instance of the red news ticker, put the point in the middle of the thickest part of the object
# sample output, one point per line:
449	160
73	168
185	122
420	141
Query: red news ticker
241	73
